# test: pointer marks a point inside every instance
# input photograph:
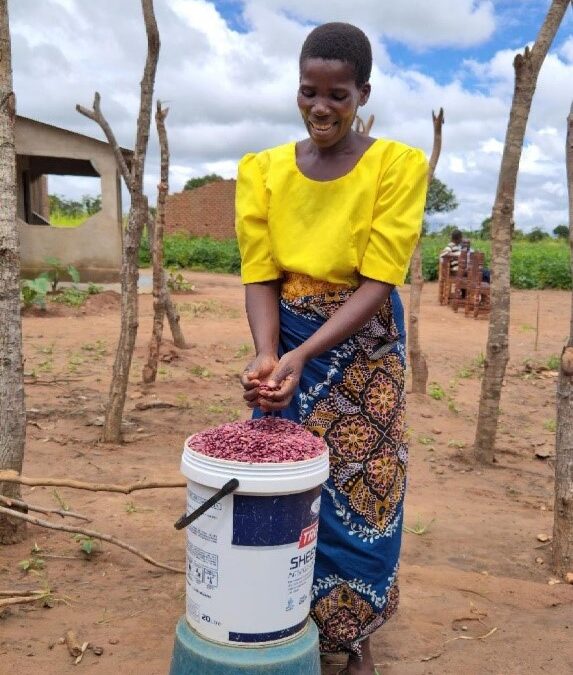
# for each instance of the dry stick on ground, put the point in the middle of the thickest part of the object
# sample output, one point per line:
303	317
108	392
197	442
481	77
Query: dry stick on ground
156	239
12	407
24	507
563	509
20	600
527	67
132	236
94	534
15	592
417	359
13	477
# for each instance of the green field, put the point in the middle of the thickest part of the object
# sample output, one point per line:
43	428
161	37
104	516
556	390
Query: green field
64	220
543	264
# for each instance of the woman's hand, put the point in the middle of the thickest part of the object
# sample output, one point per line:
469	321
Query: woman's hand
282	382
255	373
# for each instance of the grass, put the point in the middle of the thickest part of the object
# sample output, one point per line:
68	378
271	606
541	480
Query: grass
61	220
553	362
436	391
420	528
202	308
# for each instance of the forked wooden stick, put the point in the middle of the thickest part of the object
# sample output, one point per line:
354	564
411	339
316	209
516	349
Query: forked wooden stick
15	477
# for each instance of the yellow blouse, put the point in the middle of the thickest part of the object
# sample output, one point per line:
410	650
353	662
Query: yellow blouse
366	222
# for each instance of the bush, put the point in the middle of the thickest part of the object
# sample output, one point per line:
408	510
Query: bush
536	234
200	253
543	264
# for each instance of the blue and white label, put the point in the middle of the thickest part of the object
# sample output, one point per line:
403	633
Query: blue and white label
250	565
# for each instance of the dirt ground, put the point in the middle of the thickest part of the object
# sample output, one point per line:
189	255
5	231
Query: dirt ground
477	589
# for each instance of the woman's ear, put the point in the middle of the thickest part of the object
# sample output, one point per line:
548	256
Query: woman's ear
364	93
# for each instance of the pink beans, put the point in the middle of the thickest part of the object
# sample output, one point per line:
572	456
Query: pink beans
270	439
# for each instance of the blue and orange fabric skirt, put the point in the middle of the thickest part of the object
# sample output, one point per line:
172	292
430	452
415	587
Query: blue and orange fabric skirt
353	397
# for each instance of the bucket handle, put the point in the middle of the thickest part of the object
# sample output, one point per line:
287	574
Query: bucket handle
187	519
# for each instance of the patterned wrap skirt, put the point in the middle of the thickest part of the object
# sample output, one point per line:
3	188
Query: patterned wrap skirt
353	397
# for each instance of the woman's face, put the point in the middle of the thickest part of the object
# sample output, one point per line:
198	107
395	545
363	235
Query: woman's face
328	99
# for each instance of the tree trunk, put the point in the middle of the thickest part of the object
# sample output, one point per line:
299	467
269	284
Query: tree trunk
138	212
527	67
418	361
172	315
12	406
129	320
417	358
156	234
563	511
169	306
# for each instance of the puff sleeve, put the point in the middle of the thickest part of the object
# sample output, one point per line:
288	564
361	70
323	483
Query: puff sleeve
397	218
251	223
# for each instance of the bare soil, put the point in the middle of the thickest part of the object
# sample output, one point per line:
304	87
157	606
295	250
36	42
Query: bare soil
477	589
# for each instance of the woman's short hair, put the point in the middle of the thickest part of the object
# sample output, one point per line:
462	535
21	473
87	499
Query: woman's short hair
340	42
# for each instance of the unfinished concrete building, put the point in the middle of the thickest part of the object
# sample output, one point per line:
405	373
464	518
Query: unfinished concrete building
94	247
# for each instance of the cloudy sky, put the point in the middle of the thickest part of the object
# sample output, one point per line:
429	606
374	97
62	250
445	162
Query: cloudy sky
228	71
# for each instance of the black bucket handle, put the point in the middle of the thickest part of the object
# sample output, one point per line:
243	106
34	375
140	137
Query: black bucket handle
187	519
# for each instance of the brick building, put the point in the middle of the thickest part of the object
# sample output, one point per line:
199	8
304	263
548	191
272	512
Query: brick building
208	210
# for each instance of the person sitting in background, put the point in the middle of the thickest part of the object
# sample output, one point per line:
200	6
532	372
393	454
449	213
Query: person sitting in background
453	249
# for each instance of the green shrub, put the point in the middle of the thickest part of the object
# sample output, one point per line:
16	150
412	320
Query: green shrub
72	296
58	271
34	291
543	264
200	253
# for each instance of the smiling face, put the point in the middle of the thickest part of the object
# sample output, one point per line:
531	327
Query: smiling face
328	98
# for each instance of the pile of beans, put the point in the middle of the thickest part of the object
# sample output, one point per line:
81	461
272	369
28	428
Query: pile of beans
270	439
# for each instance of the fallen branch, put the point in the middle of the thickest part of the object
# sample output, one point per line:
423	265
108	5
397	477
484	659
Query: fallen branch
15	477
24	507
22	599
11	594
93	534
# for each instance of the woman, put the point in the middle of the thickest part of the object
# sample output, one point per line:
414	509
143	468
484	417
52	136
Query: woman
326	228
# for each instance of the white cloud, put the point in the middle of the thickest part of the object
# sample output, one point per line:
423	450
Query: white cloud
230	93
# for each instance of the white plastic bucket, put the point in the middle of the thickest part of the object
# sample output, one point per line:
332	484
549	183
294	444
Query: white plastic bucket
250	558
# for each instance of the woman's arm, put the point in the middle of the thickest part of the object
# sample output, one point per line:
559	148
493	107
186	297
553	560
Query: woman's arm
346	321
262	305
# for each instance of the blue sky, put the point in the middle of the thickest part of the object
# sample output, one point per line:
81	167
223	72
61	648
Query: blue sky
228	70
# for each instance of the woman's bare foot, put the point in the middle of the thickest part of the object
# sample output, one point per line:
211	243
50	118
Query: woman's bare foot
361	666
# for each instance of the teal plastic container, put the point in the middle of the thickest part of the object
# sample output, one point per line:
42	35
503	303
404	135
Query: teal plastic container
192	655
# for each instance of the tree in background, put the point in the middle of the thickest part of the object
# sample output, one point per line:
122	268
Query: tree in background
69	207
138	215
537	234
485	230
193	183
162	303
561	232
12	407
563	510
440	198
527	67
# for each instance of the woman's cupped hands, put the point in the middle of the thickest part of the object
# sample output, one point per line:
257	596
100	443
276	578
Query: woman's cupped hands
270	382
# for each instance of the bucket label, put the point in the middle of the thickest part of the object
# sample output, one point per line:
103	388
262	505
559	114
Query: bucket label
250	565
308	535
274	520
